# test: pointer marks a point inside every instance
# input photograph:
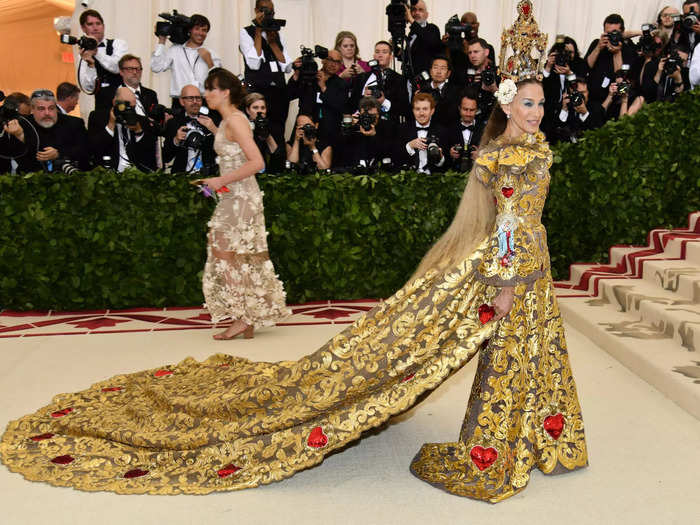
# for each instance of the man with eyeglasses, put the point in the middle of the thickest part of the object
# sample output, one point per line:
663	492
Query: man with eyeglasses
98	70
189	136
47	140
266	62
324	100
190	62
445	93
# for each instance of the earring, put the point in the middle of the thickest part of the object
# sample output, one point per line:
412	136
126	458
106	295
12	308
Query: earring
508	116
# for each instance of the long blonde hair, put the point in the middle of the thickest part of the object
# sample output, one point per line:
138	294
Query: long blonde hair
476	215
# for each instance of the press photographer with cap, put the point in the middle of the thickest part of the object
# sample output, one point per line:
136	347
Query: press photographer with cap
189	136
98	70
189	62
48	140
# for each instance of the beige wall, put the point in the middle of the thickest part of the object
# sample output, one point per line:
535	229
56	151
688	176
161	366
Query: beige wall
31	55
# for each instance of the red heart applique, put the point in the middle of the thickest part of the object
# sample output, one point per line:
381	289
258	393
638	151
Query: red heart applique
486	313
317	439
61	413
554	425
408	378
63	460
161	373
482	457
507	192
136	473
112	389
228	470
42	437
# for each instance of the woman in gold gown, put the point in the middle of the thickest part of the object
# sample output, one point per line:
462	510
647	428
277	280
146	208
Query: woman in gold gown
228	423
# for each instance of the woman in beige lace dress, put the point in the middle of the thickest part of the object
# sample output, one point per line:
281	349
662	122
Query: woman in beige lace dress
239	281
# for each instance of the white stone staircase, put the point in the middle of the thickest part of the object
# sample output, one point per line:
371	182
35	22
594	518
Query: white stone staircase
644	309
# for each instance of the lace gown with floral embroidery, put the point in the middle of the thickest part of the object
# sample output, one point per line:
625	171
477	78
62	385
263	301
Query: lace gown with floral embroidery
229	423
239	281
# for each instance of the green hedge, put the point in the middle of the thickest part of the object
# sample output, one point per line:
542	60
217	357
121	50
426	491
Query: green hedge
103	240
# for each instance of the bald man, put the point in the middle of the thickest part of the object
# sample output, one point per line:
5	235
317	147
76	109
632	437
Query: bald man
424	42
127	140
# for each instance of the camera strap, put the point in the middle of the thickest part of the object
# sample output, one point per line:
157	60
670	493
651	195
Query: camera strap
192	66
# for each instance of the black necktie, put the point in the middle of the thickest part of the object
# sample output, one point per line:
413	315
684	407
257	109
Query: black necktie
470	128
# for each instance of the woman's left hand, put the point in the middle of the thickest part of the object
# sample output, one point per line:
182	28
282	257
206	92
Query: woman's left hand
214	183
503	303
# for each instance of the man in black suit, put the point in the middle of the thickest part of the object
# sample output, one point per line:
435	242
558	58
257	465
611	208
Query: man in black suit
384	84
46	140
466	135
572	120
415	145
366	145
179	128
445	93
130	70
424	41
127	141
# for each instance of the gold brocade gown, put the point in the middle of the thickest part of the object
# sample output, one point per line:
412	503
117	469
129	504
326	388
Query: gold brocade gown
228	423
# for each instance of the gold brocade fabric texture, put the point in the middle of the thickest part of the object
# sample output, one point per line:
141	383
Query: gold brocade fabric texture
239	281
228	423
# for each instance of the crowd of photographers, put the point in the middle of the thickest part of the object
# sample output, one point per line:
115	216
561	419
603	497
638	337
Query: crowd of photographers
420	103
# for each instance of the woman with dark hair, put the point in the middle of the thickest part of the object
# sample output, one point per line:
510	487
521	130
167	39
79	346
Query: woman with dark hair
230	423
239	281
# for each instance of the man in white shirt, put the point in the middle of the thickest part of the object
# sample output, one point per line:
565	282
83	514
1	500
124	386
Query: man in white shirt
190	62
266	61
415	137
98	70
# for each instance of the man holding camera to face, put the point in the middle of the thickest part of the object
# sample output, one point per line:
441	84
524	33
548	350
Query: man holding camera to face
98	70
465	136
482	75
189	136
307	150
606	55
128	139
368	139
266	60
578	113
189	62
423	142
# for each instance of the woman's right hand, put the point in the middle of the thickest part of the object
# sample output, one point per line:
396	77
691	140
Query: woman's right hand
347	73
503	303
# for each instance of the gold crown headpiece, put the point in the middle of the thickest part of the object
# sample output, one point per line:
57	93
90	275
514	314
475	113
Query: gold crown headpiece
523	38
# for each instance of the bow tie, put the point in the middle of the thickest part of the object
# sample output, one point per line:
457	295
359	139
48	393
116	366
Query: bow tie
101	44
470	127
419	128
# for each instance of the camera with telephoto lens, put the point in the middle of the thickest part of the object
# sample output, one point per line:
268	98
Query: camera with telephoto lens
471	76
422	82
488	76
689	20
156	117
615	37
84	42
464	160
647	43
269	22
457	33
261	126
434	154
366	120
673	62
562	58
396	15
194	139
310	131
8	111
177	27
309	68
576	98
376	90
124	113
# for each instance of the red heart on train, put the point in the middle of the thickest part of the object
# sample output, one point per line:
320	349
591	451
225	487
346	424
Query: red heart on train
61	413
486	313
507	192
317	439
63	460
228	470
42	437
554	425
482	457
136	473
112	389
161	373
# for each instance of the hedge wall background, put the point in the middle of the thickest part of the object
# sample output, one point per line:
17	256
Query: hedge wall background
105	240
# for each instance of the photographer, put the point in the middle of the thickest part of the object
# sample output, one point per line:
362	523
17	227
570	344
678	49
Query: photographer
622	98
457	48
465	136
368	141
322	93
445	93
690	25
606	55
563	60
67	97
46	140
268	140
353	65
668	81
98	70
423	142
267	61
189	136
306	149
190	62
424	41
384	84
482	74
578	113
127	139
